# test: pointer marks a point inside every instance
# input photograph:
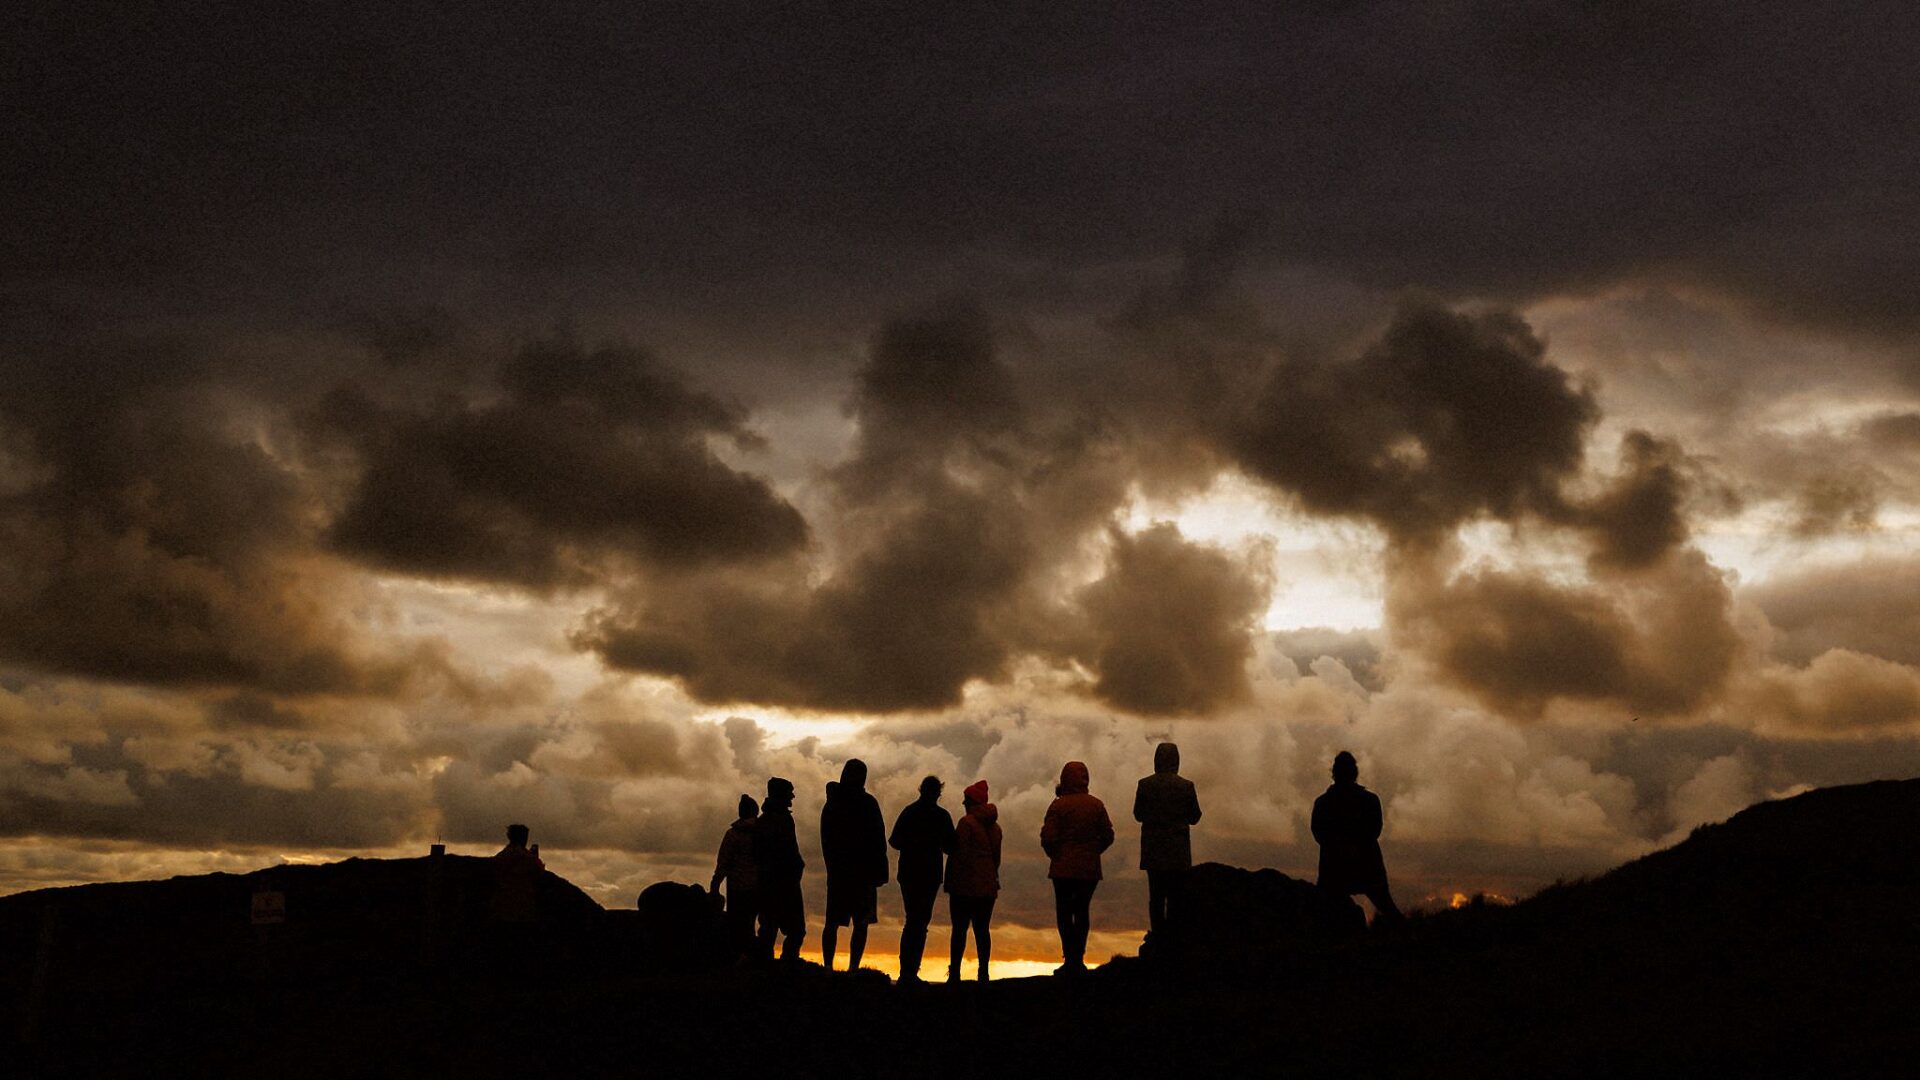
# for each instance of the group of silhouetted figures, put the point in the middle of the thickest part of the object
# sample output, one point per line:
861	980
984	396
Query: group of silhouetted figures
761	865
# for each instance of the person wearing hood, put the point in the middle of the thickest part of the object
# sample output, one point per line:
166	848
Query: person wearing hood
1075	832
1346	823
923	834
777	870
973	878
1166	806
738	867
853	841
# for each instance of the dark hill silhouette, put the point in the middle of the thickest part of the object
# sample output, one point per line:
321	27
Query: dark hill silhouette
139	938
1780	942
1836	861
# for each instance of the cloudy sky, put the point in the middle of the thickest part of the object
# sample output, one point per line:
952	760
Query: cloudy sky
415	420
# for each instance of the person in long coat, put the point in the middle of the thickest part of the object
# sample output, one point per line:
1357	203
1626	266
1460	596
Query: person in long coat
973	879
1075	832
853	841
1346	823
778	866
738	867
1167	807
923	835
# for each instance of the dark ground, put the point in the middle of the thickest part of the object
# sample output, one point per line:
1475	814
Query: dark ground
1783	942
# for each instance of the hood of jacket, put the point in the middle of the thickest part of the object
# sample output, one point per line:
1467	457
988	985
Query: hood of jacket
853	775
986	812
1073	778
1166	758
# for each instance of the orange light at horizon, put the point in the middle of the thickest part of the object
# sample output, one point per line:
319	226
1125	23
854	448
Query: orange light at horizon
934	969
1495	899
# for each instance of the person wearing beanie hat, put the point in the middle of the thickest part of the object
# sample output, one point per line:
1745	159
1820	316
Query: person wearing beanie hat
778	868
973	878
923	835
1074	834
738	867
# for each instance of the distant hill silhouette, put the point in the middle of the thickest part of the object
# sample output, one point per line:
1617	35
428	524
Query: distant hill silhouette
1781	941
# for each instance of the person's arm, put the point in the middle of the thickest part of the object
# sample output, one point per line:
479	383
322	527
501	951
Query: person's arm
1106	829
899	823
1139	796
1050	830
947	834
877	843
722	864
1317	824
1374	820
1193	805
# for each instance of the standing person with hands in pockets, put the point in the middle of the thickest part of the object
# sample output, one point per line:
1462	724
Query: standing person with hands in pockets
1166	807
973	878
1074	834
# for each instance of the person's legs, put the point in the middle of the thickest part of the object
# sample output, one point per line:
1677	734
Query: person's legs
741	906
917	899
796	934
1386	912
1156	901
1063	890
1083	922
829	942
763	941
1071	900
1174	887
856	945
959	910
981	916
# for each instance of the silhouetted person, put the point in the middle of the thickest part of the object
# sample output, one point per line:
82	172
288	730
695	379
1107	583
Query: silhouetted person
516	880
1074	834
923	834
973	878
776	853
1346	823
1166	807
853	841
740	869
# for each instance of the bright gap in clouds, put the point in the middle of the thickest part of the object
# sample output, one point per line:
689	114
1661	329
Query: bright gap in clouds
1756	547
1326	574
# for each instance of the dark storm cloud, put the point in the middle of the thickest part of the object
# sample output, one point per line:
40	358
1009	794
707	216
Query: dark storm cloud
935	385
1448	416
1835	502
903	625
1171	623
1895	432
1659	641
152	535
1641	516
1494	149
943	514
1871	606
579	456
